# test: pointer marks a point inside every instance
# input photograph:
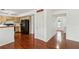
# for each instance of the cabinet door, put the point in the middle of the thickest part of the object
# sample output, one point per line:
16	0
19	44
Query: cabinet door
2	18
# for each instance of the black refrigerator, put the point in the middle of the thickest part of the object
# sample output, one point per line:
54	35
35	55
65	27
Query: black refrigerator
25	26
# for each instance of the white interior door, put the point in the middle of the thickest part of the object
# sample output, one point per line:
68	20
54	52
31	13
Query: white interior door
39	25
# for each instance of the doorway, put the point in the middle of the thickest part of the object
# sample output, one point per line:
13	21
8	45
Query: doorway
61	32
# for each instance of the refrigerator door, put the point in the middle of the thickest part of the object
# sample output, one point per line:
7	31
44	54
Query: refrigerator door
25	26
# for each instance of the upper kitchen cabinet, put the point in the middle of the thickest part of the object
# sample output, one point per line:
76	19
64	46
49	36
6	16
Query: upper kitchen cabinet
25	17
14	19
8	18
2	18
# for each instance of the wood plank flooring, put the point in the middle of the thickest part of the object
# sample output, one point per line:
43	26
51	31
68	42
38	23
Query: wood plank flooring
23	41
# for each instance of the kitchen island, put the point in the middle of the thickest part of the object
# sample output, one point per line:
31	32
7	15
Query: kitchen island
6	34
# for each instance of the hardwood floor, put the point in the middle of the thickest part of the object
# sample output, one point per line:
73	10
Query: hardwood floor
72	44
66	44
23	41
39	44
52	43
8	46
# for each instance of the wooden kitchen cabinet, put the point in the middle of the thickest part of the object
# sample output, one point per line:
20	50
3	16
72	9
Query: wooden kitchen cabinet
14	19
2	18
17	29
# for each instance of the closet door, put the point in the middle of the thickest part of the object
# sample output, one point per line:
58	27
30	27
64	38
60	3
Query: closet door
39	26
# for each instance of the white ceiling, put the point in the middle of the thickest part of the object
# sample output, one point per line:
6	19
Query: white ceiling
14	12
17	12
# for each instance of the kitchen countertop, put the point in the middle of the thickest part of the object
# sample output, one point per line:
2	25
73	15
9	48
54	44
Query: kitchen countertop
4	26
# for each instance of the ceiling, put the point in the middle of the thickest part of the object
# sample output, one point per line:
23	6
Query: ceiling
14	12
17	12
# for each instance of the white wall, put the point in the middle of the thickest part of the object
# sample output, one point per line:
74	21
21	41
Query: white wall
73	24
50	24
